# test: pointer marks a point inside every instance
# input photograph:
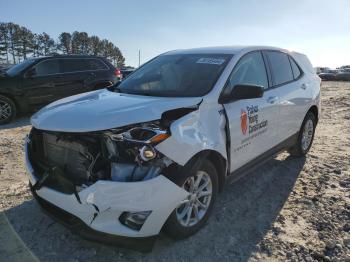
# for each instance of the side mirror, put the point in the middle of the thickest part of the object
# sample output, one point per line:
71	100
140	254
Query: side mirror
30	73
244	91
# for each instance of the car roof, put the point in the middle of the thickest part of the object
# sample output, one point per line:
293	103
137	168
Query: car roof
222	50
69	56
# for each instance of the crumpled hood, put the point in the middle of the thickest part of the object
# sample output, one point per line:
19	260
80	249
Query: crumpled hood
103	109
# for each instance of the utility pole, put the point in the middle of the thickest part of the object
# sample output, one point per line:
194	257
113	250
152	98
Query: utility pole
139	57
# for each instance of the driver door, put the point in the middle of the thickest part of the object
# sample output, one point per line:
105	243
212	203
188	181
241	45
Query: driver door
253	123
39	83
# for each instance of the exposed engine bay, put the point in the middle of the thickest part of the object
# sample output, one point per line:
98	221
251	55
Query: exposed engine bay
125	154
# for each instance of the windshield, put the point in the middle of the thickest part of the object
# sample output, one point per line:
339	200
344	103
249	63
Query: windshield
14	70
182	75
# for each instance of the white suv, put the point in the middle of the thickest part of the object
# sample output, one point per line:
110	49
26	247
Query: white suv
120	164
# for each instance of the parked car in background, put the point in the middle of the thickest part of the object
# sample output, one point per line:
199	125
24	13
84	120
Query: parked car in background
328	75
320	70
4	68
126	71
152	153
118	74
343	75
39	81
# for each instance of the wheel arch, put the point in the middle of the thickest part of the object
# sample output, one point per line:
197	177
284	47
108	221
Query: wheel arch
314	110
9	96
219	162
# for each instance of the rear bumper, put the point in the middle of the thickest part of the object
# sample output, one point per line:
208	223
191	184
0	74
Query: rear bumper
95	213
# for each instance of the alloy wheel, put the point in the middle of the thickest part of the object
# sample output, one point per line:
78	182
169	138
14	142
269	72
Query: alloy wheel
5	110
196	205
307	134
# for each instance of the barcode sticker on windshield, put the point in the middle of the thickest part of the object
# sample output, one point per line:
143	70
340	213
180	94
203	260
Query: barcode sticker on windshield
211	61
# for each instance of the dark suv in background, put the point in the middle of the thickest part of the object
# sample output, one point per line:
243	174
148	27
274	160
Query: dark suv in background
343	75
36	82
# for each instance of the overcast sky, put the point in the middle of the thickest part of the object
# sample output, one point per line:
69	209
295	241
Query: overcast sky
318	28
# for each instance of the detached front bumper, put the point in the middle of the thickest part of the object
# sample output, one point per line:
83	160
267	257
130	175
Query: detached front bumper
96	215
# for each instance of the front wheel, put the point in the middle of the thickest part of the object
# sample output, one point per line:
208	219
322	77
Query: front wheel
306	136
191	215
7	110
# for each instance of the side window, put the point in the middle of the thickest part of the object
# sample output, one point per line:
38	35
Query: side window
281	68
71	65
295	68
47	67
249	70
96	64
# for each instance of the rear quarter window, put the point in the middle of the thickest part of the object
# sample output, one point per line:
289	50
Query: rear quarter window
280	66
303	62
295	68
96	64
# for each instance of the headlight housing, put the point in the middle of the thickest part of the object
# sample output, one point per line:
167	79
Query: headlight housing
146	133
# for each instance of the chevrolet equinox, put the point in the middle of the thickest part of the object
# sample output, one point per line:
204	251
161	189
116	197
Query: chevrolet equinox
152	152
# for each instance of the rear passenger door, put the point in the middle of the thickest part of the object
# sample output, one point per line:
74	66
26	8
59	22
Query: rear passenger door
292	91
40	87
100	74
75	73
253	123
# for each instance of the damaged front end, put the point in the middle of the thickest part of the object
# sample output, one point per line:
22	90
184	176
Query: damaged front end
123	155
114	181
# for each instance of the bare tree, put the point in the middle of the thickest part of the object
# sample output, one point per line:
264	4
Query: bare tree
80	43
12	36
19	43
4	41
24	42
95	45
65	43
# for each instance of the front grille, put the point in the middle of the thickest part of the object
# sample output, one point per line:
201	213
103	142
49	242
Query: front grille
70	156
69	153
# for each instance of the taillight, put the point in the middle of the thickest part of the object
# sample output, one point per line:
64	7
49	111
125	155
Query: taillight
117	73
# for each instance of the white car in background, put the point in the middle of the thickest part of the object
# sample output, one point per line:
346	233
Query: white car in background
121	164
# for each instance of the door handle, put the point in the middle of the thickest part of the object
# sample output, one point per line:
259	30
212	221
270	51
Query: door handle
272	99
51	84
304	86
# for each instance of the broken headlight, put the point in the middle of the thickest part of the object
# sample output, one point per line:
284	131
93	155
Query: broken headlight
132	151
145	134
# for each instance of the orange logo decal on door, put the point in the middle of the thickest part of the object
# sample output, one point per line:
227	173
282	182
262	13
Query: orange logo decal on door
244	121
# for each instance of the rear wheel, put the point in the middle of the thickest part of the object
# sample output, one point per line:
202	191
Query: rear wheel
306	136
7	109
191	216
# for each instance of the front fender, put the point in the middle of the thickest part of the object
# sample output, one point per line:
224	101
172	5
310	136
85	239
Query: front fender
200	130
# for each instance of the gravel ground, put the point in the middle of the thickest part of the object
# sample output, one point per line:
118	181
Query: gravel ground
295	209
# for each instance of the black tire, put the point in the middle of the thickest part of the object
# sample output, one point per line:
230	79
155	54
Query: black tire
298	149
10	107
173	227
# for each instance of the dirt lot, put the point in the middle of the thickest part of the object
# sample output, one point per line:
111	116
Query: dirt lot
290	209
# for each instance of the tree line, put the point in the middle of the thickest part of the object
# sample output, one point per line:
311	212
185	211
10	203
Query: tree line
17	43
